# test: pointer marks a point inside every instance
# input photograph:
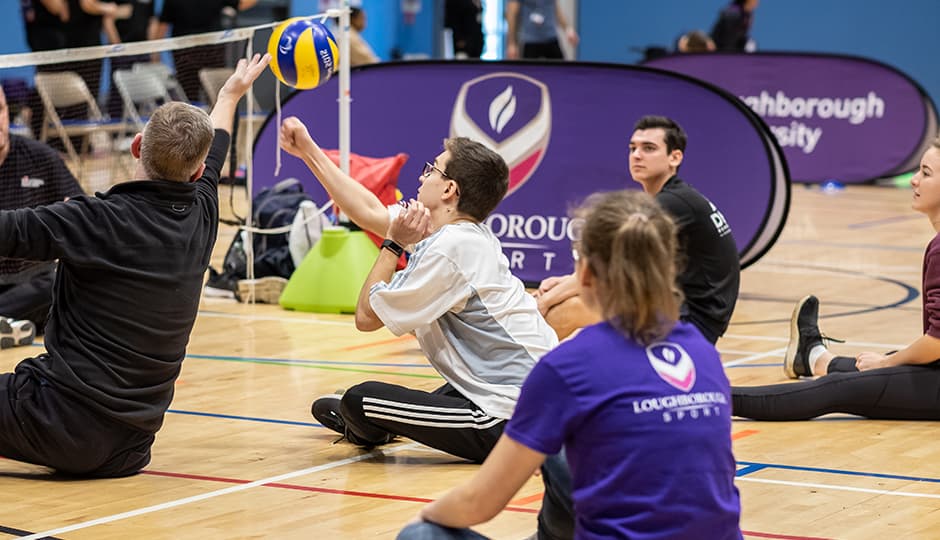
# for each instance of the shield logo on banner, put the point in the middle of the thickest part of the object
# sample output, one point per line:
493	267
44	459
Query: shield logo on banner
510	113
672	364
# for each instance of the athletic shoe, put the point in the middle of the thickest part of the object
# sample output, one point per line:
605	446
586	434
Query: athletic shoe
326	410
267	290
804	336
15	333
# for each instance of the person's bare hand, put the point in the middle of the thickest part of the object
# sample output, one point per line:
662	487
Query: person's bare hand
871	360
246	72
411	226
294	137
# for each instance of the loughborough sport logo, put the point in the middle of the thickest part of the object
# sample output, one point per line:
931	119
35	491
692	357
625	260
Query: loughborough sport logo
672	364
512	114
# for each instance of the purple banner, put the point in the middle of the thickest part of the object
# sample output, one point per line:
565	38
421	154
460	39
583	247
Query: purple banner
837	117
562	128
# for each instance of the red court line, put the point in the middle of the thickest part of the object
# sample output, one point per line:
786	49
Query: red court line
744	433
377	343
781	536
538	496
296	487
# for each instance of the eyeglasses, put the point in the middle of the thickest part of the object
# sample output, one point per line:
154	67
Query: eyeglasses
430	167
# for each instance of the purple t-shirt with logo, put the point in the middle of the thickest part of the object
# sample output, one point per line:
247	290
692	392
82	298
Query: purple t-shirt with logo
647	431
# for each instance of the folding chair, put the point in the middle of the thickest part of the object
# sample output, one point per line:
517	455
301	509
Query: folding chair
141	92
66	89
163	71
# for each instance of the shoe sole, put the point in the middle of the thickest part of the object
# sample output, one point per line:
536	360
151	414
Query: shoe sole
21	335
267	290
793	346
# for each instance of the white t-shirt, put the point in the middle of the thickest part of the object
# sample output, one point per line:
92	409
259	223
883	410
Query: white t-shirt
473	319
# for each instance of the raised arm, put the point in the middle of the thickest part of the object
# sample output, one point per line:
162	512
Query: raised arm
361	205
512	29
235	87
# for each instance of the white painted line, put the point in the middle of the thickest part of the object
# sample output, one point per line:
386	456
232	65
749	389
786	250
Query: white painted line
758	356
839	488
217	493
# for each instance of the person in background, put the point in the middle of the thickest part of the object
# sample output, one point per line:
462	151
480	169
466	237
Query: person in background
640	401
465	20
187	17
695	41
732	30
31	174
533	29
359	50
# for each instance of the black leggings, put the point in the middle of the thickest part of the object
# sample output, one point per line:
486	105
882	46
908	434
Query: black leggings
894	393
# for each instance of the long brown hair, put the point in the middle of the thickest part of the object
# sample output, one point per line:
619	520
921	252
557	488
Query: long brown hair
630	244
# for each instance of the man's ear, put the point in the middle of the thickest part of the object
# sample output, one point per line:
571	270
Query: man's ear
198	174
675	158
135	146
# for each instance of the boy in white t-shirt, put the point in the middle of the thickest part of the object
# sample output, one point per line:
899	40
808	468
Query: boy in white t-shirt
472	317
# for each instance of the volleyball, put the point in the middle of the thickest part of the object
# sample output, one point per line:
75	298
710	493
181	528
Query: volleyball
303	53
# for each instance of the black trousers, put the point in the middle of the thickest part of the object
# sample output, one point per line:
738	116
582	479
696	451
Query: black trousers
443	419
894	393
40	425
543	49
29	300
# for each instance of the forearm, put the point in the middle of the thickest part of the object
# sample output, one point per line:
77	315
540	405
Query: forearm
567	287
356	201
512	23
923	350
560	16
223	114
460	508
382	271
94	7
55	7
110	30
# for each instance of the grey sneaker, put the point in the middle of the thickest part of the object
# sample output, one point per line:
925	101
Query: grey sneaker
15	333
266	290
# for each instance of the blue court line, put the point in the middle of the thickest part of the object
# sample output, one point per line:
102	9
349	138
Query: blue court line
911	294
245	418
301	362
20	532
752	467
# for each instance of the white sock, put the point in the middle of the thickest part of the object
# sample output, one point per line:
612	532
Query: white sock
814	354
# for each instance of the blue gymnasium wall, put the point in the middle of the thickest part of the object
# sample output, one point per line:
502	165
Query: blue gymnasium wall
901	34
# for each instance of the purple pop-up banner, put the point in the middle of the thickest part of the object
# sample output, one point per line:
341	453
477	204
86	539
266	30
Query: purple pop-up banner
837	117
562	128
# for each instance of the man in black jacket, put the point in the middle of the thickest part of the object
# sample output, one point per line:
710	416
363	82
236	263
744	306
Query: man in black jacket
126	293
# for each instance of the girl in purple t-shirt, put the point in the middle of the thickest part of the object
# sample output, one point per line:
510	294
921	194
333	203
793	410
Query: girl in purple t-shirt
898	386
640	401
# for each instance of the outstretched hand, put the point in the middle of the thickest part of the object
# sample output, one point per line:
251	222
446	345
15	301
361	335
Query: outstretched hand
294	136
246	72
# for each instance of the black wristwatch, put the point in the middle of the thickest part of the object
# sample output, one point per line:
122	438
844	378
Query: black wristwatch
392	246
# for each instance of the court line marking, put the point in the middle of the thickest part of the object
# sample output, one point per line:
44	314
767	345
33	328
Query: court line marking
217	493
298	487
301	361
759	466
399	339
245	418
785	340
839	488
757	356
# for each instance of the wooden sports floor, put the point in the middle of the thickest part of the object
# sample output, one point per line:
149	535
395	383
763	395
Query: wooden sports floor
241	457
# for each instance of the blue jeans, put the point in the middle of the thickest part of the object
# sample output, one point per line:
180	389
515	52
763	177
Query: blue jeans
556	518
433	531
